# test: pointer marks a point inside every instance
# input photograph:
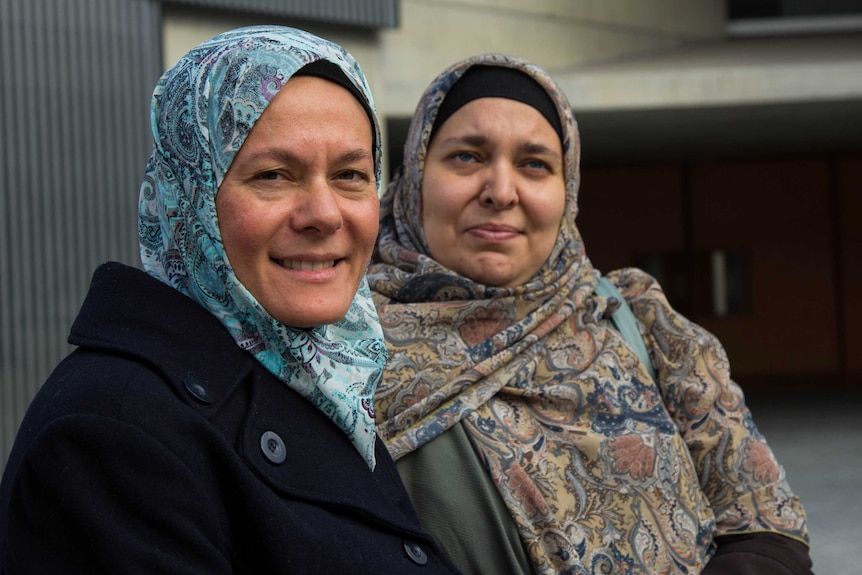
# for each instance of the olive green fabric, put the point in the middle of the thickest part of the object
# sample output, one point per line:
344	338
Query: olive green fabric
468	514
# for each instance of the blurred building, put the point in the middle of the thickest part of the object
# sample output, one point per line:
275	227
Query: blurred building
721	151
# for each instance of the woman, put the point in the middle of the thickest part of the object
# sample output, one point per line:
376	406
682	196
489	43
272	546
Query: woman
520	419
216	416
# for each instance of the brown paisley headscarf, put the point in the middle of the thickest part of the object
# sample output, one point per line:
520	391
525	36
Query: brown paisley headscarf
599	465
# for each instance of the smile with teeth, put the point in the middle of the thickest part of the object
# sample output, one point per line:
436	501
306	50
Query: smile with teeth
306	266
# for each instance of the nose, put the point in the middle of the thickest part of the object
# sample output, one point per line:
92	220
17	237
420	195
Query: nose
500	189
318	210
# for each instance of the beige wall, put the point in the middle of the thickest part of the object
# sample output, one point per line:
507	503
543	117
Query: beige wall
433	34
555	34
184	28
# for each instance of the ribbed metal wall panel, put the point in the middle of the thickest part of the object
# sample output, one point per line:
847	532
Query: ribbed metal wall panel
75	84
360	13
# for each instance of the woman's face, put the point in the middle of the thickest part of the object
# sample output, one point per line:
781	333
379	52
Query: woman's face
298	207
493	192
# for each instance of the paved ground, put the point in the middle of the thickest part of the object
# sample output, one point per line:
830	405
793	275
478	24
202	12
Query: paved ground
819	441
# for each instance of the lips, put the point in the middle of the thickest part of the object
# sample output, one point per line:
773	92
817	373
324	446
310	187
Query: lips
494	232
496	228
306	266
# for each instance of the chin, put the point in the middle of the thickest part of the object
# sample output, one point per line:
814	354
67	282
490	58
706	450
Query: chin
307	318
492	278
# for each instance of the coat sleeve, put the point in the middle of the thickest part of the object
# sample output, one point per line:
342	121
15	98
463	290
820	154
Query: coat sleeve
739	474
94	495
759	554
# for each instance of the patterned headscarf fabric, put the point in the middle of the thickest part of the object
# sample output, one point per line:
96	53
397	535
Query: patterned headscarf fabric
202	111
602	468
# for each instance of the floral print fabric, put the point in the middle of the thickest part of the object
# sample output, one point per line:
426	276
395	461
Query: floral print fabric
603	469
202	110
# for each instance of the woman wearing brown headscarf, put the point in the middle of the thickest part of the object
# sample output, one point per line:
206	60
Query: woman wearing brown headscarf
531	436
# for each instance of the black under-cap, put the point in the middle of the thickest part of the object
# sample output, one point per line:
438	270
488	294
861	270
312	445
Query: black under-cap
330	71
483	81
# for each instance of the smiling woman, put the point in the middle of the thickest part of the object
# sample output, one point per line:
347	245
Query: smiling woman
217	414
298	207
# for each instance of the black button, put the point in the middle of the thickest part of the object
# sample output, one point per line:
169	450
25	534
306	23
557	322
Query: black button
415	552
273	447
197	389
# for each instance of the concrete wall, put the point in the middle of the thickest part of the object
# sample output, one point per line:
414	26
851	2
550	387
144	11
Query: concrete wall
555	34
433	34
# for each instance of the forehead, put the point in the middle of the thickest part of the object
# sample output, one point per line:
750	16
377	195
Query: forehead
313	92
308	120
496	119
306	102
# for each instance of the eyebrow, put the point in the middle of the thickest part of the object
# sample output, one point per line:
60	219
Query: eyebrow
538	149
356	155
284	156
478	140
470	139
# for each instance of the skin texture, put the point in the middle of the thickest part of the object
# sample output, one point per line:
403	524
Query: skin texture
298	208
493	192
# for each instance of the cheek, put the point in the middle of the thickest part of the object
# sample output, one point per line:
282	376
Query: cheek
238	243
237	227
550	213
431	220
365	217
438	207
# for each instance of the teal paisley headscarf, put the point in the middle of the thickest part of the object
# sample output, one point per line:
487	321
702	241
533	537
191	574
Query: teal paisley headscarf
203	108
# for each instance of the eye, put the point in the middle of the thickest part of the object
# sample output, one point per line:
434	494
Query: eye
269	175
351	175
352	179
465	157
536	164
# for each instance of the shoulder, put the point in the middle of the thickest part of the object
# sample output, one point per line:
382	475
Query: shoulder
635	283
644	294
654	308
117	391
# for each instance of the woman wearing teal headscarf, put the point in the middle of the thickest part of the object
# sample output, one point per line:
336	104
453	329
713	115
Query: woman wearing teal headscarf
217	415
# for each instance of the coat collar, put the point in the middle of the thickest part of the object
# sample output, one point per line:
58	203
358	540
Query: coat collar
129	313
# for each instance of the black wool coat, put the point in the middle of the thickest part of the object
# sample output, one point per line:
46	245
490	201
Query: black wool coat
159	446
